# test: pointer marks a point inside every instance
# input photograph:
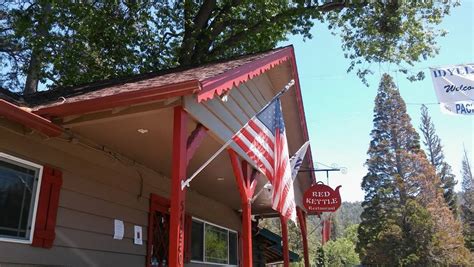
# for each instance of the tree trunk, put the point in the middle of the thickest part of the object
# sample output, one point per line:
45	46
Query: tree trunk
32	78
37	52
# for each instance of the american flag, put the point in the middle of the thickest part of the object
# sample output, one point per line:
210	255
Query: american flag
263	139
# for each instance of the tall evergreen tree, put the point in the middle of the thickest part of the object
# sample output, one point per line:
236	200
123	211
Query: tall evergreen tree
405	219
435	154
467	206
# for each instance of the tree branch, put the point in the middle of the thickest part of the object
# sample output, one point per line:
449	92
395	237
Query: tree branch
204	14
263	24
192	30
7	47
217	26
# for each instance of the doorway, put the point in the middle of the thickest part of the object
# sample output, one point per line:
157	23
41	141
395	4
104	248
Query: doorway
158	232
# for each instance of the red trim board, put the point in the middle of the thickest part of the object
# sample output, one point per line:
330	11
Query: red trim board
28	119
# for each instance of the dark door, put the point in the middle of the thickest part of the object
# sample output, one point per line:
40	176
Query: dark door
158	232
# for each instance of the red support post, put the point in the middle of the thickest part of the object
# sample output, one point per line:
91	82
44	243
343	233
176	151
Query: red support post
178	196
246	183
247	234
284	237
304	234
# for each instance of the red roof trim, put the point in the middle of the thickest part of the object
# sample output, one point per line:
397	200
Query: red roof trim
28	119
299	99
122	99
226	80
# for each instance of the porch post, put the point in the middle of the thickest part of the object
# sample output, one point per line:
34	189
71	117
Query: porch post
247	233
178	173
246	183
284	237
304	234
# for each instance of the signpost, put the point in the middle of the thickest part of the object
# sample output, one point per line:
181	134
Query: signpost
321	198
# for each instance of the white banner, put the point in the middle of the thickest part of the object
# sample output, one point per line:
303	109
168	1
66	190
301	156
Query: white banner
454	87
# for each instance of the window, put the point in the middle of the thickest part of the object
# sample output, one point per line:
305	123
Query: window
19	181
213	244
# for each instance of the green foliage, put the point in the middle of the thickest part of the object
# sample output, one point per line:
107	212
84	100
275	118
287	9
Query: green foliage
321	258
216	244
341	251
404	239
346	216
435	155
389	31
405	219
64	43
351	233
344	219
295	242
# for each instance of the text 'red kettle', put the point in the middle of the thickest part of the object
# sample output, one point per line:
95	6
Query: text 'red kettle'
322	198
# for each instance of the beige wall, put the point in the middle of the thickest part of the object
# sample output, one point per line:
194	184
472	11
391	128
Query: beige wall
97	189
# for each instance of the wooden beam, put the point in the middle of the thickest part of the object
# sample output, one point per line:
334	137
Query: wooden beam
194	141
119	109
28	119
141	95
304	234
284	237
114	115
246	182
178	174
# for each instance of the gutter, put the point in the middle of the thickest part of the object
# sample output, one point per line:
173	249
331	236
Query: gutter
28	119
118	100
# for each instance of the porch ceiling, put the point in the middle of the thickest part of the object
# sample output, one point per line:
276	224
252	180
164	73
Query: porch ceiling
153	149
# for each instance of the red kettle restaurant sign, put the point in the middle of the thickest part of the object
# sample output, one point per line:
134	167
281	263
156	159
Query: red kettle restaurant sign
322	198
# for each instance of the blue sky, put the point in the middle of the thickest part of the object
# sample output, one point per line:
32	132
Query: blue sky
339	108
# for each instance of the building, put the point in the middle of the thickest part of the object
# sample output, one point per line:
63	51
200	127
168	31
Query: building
92	175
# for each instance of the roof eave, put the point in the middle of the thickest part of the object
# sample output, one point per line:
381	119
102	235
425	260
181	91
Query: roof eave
28	119
219	84
119	100
223	82
299	99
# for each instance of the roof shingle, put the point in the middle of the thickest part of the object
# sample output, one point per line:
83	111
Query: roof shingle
99	89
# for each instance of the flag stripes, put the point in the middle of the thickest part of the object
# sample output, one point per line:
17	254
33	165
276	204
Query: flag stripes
263	139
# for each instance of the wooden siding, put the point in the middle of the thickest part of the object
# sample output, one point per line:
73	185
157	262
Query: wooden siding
97	189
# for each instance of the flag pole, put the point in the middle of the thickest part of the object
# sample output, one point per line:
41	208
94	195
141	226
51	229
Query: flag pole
226	144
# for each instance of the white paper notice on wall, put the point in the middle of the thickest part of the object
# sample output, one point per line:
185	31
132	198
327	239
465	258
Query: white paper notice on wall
138	240
119	229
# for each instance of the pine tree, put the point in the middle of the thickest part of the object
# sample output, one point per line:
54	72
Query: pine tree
400	223
435	154
467	206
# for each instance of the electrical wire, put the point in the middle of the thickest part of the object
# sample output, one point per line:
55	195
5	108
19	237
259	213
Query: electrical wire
422	104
